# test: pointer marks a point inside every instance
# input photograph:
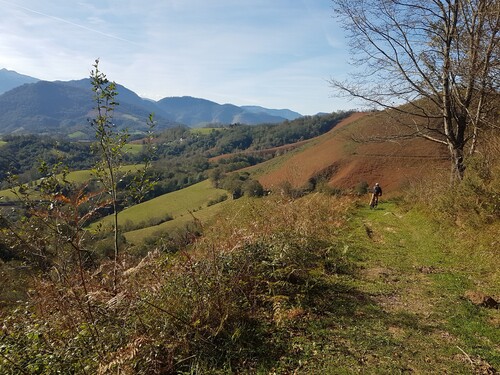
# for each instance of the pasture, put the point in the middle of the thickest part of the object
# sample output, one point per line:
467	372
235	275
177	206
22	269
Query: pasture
176	205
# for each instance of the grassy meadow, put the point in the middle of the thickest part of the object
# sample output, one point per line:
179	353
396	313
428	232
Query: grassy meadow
178	205
178	222
388	293
77	177
316	285
133	149
403	309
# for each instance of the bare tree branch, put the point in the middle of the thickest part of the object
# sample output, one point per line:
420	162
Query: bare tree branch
433	60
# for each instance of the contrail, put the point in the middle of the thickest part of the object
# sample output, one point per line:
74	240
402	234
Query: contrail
68	22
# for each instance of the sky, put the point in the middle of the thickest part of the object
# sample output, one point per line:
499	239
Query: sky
272	53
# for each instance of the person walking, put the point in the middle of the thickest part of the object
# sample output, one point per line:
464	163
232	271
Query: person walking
376	192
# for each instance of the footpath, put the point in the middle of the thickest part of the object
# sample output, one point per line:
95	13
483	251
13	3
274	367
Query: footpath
416	302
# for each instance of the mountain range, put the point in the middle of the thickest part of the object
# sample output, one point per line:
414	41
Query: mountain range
10	79
30	105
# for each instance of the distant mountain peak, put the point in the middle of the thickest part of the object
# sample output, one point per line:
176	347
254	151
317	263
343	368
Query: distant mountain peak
10	79
285	113
30	105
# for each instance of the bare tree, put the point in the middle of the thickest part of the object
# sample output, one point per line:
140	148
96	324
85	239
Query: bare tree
435	60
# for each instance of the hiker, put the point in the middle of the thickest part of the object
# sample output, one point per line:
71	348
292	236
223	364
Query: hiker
377	192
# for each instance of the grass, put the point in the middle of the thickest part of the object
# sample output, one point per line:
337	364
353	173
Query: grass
133	149
78	135
327	286
7	194
85	175
203	214
177	204
404	311
78	177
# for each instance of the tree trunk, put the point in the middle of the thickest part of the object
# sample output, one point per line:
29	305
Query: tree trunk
457	163
442	52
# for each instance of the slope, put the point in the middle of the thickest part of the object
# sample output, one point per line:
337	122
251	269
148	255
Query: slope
172	210
316	285
335	155
346	156
64	107
10	79
404	309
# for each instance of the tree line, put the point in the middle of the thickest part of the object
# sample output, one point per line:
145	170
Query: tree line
181	154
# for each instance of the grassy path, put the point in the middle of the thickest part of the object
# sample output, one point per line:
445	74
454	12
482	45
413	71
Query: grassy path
403	310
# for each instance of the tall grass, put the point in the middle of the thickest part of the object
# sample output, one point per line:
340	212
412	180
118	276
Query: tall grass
471	211
225	304
472	202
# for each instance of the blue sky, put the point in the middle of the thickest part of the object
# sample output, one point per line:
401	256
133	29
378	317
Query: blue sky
272	53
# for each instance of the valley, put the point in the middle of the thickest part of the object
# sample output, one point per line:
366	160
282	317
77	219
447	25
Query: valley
182	236
252	251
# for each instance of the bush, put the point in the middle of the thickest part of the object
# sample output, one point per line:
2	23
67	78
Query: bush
219	199
105	247
361	188
252	188
327	189
474	201
226	305
287	190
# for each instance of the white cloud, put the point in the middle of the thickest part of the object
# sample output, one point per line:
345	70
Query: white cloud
271	53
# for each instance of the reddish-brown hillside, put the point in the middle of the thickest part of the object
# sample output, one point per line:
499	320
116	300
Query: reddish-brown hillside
348	158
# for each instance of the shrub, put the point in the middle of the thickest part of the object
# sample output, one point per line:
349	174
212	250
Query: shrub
325	188
224	304
105	248
287	190
361	188
252	188
474	201
219	199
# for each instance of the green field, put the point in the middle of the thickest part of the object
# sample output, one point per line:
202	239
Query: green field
86	174
182	205
78	177
177	204
204	215
77	135
133	149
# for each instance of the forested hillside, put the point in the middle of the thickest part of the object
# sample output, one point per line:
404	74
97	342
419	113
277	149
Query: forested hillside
63	108
181	153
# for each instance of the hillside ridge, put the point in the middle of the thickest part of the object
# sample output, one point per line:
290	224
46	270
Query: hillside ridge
20	111
393	164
